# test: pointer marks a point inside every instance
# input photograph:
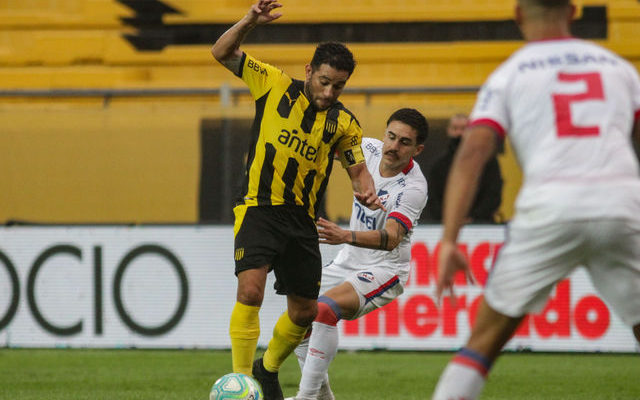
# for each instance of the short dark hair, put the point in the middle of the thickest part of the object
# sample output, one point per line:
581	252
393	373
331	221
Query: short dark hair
414	119
337	55
548	3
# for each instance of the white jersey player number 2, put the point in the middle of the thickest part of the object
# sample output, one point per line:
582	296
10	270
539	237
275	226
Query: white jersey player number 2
562	103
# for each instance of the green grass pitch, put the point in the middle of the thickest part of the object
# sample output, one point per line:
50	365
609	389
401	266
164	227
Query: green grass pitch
62	374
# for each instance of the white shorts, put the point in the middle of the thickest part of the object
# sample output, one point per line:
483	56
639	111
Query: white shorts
533	260
376	286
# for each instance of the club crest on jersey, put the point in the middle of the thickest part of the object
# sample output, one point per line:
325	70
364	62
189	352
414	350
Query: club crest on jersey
365	276
383	195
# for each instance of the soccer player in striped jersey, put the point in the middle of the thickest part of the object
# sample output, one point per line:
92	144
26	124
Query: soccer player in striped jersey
373	266
568	107
298	127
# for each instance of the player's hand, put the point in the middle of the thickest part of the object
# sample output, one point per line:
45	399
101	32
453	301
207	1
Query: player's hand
370	200
260	13
450	261
330	233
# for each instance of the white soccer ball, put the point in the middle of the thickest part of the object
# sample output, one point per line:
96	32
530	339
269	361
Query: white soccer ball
236	386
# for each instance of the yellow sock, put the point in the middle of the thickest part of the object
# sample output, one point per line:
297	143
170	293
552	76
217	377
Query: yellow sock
286	337
244	330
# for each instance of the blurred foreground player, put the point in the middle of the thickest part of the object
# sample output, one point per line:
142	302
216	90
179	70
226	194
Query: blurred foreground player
569	107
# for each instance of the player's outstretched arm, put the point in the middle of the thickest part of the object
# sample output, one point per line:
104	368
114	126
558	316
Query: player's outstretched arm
381	239
363	187
227	48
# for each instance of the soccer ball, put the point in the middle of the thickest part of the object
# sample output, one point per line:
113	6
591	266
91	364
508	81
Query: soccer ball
236	386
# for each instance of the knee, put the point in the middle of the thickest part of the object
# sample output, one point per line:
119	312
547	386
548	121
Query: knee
303	315
328	311
251	295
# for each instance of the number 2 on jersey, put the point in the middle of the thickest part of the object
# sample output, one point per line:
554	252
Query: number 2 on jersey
562	103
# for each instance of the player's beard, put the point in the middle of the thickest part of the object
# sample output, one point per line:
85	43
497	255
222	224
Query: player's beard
307	93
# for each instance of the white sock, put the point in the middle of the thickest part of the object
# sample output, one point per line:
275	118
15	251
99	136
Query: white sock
459	381
301	355
323	346
301	352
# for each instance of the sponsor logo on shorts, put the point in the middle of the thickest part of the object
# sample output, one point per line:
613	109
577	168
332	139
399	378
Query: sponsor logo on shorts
365	276
239	254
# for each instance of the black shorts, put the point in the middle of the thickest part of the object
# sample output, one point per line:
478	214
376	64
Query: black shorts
285	238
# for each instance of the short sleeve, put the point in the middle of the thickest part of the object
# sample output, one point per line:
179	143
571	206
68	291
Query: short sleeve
408	206
491	105
258	76
348	149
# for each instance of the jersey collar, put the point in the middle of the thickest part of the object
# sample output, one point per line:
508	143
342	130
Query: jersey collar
408	167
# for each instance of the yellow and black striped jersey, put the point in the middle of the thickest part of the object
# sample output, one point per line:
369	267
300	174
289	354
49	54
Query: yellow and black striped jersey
292	144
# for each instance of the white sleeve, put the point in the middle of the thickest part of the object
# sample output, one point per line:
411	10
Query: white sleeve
370	148
408	206
491	105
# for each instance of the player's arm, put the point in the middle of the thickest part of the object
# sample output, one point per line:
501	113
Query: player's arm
227	48
363	187
478	145
381	239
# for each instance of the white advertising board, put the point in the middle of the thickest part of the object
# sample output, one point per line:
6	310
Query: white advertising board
174	287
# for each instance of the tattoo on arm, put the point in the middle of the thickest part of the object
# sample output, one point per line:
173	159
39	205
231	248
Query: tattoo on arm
232	64
400	232
384	239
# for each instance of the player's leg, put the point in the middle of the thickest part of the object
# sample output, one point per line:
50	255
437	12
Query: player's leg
301	350
287	334
244	327
289	330
332	276
298	272
325	392
464	376
614	267
323	342
256	245
529	265
361	293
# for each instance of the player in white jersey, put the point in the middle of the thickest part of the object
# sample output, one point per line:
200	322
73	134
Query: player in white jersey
569	108
371	270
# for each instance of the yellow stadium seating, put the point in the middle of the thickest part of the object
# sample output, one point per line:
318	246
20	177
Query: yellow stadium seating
81	45
107	13
62	14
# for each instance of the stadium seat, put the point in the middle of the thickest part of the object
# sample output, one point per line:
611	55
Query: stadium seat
82	43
